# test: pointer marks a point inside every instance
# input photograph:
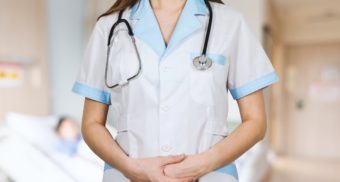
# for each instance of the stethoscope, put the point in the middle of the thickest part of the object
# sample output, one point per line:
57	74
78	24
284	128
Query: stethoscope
201	62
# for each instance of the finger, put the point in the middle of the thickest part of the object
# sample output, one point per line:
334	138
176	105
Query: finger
172	159
172	171
186	179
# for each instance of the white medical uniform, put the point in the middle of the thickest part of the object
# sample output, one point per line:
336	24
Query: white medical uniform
171	107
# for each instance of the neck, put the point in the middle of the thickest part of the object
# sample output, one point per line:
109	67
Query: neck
168	4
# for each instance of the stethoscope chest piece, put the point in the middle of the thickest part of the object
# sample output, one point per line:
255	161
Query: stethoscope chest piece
202	62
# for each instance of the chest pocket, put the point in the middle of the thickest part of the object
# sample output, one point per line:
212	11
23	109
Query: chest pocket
123	62
205	84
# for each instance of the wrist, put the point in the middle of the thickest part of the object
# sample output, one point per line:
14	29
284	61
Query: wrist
129	166
211	159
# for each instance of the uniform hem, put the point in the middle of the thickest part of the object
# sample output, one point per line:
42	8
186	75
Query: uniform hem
229	169
107	166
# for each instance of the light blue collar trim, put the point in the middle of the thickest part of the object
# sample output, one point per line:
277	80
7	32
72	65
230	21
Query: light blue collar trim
148	30
137	10
201	8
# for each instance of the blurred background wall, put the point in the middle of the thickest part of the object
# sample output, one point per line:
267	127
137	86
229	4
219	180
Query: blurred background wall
24	57
303	37
64	30
42	44
66	42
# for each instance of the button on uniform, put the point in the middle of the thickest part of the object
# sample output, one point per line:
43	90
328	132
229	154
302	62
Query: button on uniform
166	68
166	148
165	108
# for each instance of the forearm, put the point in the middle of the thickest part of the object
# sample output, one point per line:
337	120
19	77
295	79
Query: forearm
99	139
238	142
135	169
220	154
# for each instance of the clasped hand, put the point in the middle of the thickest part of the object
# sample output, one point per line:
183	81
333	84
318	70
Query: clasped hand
173	168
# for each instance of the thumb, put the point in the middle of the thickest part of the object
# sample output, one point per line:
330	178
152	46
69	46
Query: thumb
172	159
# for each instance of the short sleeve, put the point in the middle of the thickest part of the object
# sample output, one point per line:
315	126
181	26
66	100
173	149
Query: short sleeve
250	68
90	80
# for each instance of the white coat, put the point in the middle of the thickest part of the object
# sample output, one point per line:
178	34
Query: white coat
171	107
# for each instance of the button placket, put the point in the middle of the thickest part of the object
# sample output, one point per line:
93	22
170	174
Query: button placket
164	109
165	68
165	146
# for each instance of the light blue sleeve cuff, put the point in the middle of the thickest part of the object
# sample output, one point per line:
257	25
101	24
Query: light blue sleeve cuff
254	85
92	93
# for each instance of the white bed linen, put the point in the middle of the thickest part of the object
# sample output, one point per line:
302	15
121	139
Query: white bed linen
23	163
28	153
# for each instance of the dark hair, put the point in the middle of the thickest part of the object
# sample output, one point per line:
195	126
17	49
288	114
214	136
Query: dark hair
123	4
60	122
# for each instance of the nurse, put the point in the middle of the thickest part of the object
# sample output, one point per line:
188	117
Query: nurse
171	119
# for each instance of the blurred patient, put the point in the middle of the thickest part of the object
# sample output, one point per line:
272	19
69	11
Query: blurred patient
69	135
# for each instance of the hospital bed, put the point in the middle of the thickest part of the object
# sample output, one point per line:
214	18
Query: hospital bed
28	153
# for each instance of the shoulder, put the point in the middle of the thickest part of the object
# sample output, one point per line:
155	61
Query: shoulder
225	13
104	23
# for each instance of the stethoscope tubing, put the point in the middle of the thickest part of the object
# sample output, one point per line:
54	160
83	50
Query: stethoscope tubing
109	45
128	79
131	34
207	34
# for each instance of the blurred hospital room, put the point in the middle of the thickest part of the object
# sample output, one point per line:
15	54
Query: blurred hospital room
42	45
